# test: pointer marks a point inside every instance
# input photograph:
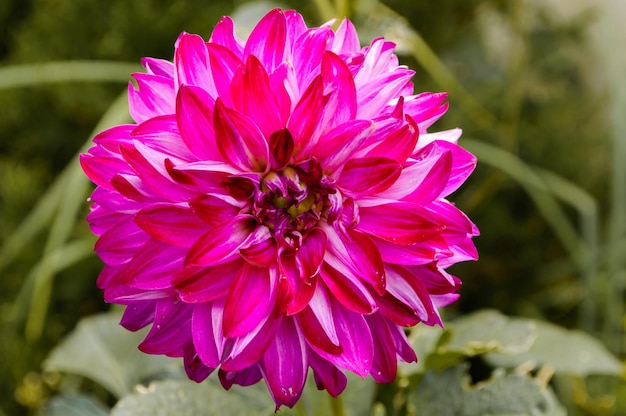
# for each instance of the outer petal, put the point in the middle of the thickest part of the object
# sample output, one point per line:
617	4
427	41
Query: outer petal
194	114
284	364
191	60
171	224
267	40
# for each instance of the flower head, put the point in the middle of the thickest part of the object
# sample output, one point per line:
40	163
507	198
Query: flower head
278	205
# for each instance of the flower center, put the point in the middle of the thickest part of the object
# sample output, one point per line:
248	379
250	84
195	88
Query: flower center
294	199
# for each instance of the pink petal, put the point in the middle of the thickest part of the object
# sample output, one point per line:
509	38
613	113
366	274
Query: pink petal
120	243
245	377
171	330
306	117
153	266
339	86
206	284
267	40
191	60
351	293
356	340
138	315
284	365
224	64
308	52
154	97
224	35
327	375
220	244
338	145
194	115
249	302
346	39
241	143
398	223
253	96
407	288
172	224
315	334
385	365
214	209
368	175
162	135
356	257
159	67
247	350
206	329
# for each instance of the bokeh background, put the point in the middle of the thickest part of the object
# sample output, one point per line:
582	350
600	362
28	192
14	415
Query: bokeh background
538	86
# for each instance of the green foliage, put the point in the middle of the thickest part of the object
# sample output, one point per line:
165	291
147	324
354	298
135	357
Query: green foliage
450	393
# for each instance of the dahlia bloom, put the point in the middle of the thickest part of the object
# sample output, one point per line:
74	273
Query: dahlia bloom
278	205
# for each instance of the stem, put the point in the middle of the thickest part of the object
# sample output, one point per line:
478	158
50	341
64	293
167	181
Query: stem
336	404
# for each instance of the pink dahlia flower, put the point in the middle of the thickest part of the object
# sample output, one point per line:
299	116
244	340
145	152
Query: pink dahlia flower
278	205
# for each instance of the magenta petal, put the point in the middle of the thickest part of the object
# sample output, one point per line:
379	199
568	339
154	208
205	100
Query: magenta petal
241	142
385	363
224	64
154	97
399	223
249	302
338	145
311	253
327	375
284	364
162	135
368	175
197	285
245	377
138	315
191	60
356	340
350	292
267	40
315	334
194	367
247	350
171	329
214	210
346	39
120	243
219	244
206	327
174	225
304	123
224	35
194	115
254	96
308	52
153	266
339	86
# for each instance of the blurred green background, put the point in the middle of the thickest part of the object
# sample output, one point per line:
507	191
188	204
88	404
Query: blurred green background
538	86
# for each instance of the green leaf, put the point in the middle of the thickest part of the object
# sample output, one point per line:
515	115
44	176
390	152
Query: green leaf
449	393
475	334
186	398
101	350
489	330
424	340
568	351
75	405
356	400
